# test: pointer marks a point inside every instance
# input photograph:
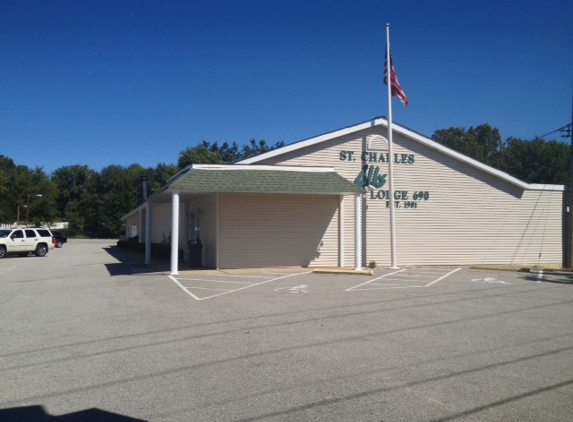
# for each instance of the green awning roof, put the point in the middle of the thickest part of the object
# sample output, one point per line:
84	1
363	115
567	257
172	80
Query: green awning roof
259	179
198	180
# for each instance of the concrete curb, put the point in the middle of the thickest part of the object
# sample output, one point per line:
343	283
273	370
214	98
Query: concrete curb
238	271
535	270
342	271
500	268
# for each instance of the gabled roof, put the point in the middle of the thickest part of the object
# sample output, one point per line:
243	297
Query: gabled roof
383	122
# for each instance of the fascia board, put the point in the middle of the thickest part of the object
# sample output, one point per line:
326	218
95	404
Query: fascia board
539	186
241	167
132	212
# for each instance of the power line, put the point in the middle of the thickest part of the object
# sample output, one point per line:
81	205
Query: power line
565	131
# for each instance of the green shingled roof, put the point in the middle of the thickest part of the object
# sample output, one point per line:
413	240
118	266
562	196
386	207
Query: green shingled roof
249	179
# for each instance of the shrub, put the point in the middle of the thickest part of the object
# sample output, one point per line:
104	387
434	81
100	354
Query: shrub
158	250
123	244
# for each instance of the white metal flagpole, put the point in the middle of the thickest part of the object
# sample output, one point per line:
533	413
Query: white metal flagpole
390	154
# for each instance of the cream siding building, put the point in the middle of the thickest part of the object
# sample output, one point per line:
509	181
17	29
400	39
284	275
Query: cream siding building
450	209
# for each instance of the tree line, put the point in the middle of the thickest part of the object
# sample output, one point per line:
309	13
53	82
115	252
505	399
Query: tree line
92	201
532	161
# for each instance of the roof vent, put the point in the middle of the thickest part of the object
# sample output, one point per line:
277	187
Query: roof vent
376	142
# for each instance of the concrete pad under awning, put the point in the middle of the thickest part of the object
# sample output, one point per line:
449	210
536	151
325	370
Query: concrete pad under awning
163	267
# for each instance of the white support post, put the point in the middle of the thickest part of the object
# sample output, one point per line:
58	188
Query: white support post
175	232
341	231
148	233
357	232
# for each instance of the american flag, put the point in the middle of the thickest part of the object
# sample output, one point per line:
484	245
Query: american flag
396	88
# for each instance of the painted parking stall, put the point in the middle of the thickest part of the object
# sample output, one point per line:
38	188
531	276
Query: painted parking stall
213	285
210	286
406	278
203	286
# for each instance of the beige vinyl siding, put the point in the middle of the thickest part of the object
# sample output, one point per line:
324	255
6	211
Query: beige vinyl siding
160	222
161	216
327	154
131	221
261	230
207	208
471	217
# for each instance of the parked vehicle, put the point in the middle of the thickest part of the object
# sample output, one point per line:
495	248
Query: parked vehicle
59	239
24	241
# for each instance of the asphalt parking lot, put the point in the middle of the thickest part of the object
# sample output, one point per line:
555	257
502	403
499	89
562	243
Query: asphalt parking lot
89	333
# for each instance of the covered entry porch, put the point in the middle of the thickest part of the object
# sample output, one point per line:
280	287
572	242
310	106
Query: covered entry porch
254	216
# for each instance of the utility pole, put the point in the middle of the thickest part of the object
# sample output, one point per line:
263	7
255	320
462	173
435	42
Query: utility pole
569	257
567	132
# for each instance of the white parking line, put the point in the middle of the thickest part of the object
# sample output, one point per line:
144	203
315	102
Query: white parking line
7	269
215	281
224	292
402	277
238	275
205	288
370	281
444	276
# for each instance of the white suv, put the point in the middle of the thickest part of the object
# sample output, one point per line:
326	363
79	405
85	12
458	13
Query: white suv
24	241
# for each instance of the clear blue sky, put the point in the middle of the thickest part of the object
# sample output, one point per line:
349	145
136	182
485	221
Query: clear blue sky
120	82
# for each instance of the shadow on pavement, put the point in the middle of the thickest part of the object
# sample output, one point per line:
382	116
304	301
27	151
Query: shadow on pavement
38	414
131	262
557	277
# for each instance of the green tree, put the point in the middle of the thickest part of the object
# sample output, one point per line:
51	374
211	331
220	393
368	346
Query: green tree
19	187
230	153
91	207
43	210
489	144
159	175
537	161
71	182
254	148
482	142
120	191
9	204
207	153
201	154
